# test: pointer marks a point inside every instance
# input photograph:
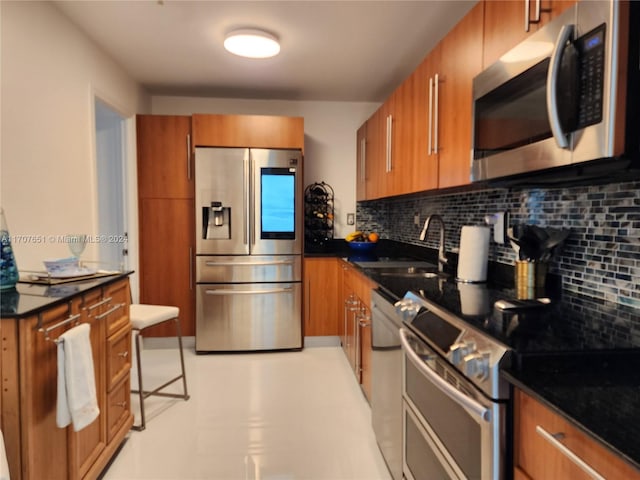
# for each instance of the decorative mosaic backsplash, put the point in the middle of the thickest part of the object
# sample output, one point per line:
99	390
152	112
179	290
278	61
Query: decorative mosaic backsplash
600	258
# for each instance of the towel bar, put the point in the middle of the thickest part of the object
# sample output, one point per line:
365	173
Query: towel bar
66	321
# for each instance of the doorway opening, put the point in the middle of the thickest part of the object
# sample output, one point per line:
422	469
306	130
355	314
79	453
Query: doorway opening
112	193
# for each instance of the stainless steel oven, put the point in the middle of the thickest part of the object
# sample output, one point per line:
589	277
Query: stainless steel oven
454	401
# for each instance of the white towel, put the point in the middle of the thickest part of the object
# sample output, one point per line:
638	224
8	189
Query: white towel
4	465
77	400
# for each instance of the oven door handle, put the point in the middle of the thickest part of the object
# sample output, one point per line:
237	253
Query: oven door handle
460	398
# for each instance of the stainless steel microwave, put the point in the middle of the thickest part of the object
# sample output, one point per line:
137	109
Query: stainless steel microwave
562	99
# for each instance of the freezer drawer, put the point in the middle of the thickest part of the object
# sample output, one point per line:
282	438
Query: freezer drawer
248	269
248	317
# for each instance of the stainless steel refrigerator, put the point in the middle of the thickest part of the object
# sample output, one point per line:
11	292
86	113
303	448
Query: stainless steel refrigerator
248	249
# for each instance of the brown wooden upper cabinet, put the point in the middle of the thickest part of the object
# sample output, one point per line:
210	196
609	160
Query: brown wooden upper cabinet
508	22
420	138
375	154
424	160
460	61
392	144
257	131
164	161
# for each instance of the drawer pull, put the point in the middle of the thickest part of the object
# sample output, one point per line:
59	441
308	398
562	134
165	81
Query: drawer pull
554	439
110	311
99	304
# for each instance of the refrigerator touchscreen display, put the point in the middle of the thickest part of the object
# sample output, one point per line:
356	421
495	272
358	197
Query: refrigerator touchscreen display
277	202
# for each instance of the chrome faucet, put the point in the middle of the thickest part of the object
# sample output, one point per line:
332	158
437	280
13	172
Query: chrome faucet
442	259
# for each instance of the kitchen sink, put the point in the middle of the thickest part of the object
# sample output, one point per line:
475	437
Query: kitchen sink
411	274
398	265
404	269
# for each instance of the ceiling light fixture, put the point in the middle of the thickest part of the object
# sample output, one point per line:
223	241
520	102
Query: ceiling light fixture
252	43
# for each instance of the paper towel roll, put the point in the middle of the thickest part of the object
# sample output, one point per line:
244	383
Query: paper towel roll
474	254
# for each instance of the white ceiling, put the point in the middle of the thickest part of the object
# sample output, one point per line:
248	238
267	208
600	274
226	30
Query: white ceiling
331	50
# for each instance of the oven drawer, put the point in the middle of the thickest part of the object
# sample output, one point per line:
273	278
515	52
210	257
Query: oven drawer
422	459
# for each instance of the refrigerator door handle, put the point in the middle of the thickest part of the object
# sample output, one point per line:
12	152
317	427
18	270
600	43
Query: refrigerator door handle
245	198
223	291
249	264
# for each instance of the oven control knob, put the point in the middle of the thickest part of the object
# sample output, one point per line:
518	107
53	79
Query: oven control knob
458	351
476	365
407	309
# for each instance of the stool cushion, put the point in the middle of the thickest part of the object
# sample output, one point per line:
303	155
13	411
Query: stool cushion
144	316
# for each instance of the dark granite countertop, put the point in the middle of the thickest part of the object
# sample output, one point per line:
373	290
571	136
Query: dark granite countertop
27	299
598	393
578	356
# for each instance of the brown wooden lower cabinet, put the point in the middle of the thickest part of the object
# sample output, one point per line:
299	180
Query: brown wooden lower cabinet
321	317
543	440
166	260
36	448
356	340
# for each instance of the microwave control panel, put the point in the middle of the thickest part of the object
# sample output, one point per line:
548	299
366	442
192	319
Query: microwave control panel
591	53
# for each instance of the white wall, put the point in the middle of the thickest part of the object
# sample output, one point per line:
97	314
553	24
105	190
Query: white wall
51	73
330	138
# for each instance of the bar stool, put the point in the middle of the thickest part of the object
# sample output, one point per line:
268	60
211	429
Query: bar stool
143	317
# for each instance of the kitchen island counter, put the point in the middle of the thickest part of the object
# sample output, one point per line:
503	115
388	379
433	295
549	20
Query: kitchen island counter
27	299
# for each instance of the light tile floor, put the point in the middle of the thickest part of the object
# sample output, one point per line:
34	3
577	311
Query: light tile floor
258	416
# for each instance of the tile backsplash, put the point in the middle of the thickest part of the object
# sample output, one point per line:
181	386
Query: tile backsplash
600	258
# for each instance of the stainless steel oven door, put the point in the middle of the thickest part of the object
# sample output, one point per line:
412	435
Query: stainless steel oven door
442	409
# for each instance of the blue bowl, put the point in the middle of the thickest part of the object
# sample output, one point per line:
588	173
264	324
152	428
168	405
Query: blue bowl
362	247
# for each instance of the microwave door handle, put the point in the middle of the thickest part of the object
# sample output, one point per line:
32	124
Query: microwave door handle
552	86
460	398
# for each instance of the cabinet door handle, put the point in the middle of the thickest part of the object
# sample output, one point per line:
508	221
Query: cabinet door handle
99	304
188	157
120	404
389	146
123	354
110	311
527	20
190	268
363	159
435	113
430	118
553	440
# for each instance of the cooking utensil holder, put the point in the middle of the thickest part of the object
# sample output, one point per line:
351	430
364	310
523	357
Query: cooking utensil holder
530	279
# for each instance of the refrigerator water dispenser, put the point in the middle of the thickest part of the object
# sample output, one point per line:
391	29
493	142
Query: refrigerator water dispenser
216	222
